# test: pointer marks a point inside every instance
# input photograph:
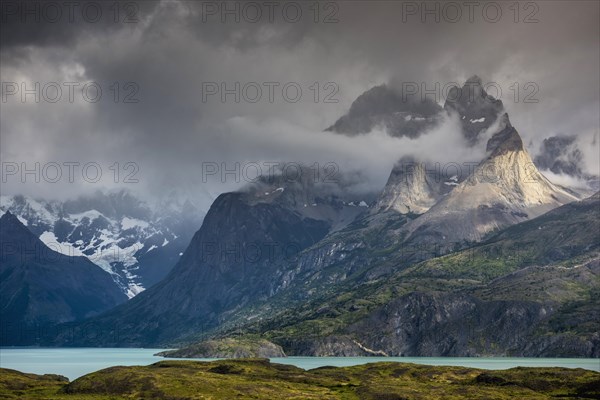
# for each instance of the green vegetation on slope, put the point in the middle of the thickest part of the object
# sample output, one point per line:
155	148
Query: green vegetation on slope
260	379
545	260
228	348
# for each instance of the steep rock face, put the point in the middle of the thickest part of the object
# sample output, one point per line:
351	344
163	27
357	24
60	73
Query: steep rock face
477	109
239	244
412	187
534	318
305	195
328	346
504	189
241	254
41	286
383	107
530	312
448	325
357	252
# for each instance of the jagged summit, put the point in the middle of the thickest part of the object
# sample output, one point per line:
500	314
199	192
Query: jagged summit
562	155
412	115
382	106
476	108
506	139
7	216
412	187
417	190
504	189
10	226
475	79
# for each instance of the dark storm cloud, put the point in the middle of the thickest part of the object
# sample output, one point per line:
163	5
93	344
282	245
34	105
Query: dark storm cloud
560	155
174	47
64	22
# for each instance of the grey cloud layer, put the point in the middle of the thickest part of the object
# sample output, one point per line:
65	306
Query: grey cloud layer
170	52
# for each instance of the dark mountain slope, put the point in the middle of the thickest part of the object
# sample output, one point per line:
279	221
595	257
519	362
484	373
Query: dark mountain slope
240	255
40	286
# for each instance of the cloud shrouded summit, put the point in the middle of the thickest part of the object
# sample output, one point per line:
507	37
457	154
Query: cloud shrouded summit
171	51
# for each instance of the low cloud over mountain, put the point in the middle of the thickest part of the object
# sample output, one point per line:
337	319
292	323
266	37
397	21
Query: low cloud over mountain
170	131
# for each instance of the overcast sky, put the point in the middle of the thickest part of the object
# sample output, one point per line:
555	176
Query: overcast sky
168	54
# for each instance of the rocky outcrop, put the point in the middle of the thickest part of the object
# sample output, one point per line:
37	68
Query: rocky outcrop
562	345
228	348
560	155
328	346
448	324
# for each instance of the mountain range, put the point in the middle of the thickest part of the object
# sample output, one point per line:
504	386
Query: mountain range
493	261
40	286
135	242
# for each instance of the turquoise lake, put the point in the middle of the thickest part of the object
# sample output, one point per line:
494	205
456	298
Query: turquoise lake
75	362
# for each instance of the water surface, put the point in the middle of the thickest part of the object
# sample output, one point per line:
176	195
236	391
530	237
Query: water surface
75	362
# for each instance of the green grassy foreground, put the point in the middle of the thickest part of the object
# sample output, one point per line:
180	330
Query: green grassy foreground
260	379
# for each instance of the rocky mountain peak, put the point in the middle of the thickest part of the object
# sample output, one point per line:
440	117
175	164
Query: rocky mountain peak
477	110
412	187
472	92
7	215
504	189
475	79
10	223
384	107
505	139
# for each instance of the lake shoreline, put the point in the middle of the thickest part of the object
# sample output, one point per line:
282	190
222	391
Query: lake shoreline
76	362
